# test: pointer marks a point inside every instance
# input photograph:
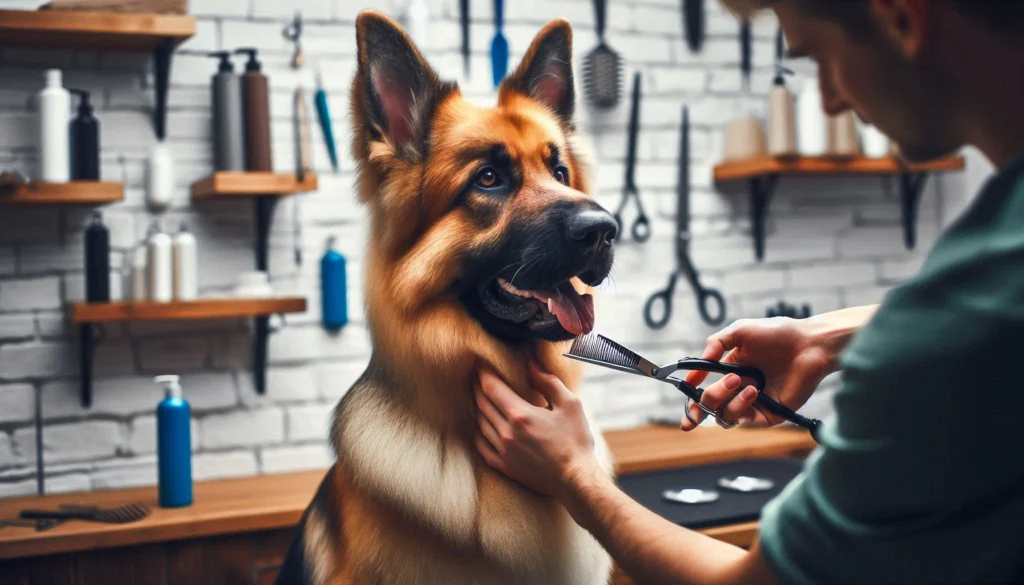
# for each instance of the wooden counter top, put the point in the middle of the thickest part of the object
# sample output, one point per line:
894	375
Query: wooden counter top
277	501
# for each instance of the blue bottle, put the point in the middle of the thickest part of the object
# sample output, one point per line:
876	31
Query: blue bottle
174	445
334	288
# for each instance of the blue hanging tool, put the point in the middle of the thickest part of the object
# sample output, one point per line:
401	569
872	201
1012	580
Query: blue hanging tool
323	113
499	44
334	288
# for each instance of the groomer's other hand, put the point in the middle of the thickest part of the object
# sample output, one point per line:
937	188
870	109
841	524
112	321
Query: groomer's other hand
794	354
542	448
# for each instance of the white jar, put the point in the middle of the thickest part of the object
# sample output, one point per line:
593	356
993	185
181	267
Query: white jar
185	266
876	144
812	124
161	177
138	277
161	277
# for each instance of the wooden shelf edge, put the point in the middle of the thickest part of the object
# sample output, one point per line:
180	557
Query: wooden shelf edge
225	308
88	29
224	184
72	193
764	165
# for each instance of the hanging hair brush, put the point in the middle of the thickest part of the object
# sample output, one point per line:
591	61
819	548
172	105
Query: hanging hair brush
602	67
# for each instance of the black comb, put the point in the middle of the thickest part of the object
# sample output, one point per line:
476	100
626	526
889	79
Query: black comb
119	515
598	349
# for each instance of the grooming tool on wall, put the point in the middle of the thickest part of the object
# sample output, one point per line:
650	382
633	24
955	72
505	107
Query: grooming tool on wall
602	67
120	515
499	44
323	114
693	23
464	23
782	309
690	496
641	229
293	33
746	484
334	287
746	47
597	349
706	297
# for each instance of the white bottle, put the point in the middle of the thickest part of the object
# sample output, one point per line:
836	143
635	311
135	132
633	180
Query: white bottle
161	177
161	276
185	270
876	144
54	130
138	276
812	124
781	120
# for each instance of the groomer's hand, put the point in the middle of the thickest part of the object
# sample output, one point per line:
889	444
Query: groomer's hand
794	354
542	448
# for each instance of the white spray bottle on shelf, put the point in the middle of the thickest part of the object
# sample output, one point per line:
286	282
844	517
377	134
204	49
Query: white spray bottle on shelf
54	122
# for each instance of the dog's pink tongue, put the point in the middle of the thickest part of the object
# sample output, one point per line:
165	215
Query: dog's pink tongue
575	312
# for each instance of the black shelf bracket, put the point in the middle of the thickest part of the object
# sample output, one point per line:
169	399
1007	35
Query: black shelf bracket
911	187
761	191
264	211
162	73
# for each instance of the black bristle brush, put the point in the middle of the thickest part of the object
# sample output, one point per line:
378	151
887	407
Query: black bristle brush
602	67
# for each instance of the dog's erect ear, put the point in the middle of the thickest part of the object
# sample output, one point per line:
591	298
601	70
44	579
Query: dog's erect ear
395	91
546	71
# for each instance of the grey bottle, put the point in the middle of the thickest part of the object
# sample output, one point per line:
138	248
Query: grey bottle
228	125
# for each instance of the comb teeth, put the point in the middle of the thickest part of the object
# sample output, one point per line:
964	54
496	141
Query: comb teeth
600	348
123	514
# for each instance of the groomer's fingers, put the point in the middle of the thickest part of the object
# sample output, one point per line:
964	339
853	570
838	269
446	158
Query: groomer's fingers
721	391
696	414
718	345
550	387
491	434
738	409
488	453
510	404
488	410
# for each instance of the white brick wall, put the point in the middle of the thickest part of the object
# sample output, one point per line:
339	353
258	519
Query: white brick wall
831	243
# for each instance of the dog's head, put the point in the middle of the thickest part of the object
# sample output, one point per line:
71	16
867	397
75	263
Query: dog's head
486	206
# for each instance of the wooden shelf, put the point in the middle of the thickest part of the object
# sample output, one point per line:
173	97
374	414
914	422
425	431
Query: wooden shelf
238	184
200	309
769	165
277	501
73	193
93	30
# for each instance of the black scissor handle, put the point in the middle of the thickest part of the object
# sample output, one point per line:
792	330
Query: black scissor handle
641	228
706	297
700	365
664	299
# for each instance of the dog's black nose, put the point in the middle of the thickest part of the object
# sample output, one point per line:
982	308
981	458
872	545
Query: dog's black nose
593	229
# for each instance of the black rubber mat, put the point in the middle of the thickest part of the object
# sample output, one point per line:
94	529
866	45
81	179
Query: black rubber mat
731	508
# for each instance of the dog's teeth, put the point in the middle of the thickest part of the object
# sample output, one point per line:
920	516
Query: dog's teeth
550	307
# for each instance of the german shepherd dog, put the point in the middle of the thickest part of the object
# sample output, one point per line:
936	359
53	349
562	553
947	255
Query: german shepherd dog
484	245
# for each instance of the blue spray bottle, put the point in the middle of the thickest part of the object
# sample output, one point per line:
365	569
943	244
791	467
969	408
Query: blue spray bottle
334	288
174	445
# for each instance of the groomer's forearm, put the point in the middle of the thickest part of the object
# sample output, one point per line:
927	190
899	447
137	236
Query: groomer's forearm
833	331
650	549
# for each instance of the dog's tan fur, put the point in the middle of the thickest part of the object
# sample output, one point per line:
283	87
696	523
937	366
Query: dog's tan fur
412	501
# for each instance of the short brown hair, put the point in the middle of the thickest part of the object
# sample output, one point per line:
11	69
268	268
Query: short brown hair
1001	15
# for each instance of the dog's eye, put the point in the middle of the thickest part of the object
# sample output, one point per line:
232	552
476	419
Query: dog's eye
487	178
562	175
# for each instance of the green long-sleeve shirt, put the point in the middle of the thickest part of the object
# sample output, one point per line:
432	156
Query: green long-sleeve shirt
920	476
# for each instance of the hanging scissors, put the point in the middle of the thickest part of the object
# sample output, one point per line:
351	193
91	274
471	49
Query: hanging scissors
710	302
641	225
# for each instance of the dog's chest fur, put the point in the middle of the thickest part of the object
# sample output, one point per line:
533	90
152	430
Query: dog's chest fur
433	513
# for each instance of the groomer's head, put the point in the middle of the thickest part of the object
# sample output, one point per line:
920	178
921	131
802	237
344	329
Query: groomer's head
904	65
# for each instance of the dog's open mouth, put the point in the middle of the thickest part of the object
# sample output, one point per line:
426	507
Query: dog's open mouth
540	310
